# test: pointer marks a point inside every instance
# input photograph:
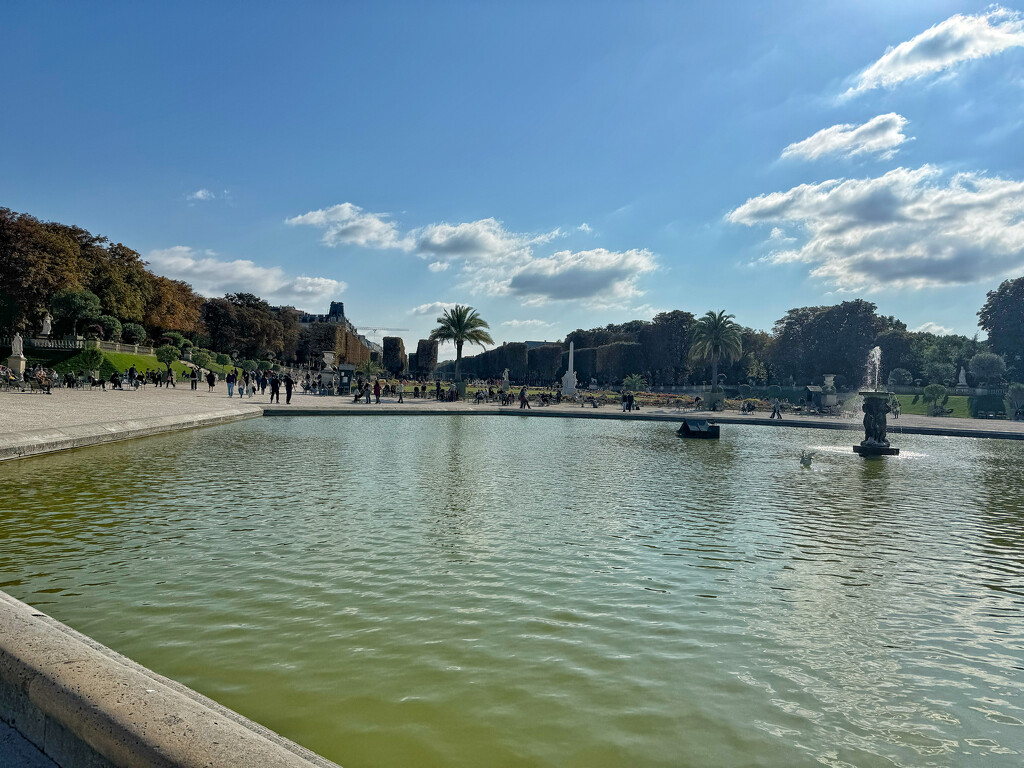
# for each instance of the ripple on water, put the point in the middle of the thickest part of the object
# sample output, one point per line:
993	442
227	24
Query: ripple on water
459	591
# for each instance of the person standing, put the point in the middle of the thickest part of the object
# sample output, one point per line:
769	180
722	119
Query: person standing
776	410
230	379
211	379
194	378
366	392
524	400
289	384
376	391
401	391
275	389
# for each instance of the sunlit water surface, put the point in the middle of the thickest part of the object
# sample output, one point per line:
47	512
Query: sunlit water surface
466	591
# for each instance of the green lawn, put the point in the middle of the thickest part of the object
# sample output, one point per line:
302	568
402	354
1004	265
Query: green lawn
124	360
958	403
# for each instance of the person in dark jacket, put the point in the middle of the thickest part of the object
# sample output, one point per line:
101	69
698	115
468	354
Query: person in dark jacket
275	389
289	384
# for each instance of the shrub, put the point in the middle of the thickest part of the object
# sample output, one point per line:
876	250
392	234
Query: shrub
988	368
133	333
745	391
901	377
275	368
933	393
223	359
265	365
774	392
1014	399
87	360
247	365
111	326
201	357
186	344
176	339
168	354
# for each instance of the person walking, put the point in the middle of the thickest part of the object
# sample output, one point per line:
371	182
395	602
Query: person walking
524	401
289	384
275	389
194	377
231	379
366	392
401	391
776	410
624	401
437	389
211	379
170	377
376	391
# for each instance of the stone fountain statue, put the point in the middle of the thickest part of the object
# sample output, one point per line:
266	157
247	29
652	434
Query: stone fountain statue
504	381
876	405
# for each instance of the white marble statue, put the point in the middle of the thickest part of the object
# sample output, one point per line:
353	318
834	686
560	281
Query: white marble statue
569	377
504	381
47	325
17	346
962	382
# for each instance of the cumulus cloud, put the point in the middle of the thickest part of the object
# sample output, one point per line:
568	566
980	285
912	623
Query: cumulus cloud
930	327
584	227
492	259
598	273
201	194
211	276
433	308
348	224
957	39
880	135
905	229
527	324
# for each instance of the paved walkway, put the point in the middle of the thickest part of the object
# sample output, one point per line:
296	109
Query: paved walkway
18	752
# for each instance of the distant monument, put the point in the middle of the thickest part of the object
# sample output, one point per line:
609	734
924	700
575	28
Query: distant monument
569	377
47	325
962	381
504	381
16	362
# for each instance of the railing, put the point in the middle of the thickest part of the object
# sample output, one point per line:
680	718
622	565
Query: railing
41	342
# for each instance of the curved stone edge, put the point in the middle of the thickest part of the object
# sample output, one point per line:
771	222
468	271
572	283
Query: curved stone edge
86	706
16	445
611	414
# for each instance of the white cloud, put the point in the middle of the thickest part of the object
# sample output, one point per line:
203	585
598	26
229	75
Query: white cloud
881	135
433	308
930	327
212	277
347	224
201	194
492	259
905	229
598	275
527	324
957	39
584	227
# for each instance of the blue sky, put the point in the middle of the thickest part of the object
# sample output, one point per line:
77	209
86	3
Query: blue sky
556	165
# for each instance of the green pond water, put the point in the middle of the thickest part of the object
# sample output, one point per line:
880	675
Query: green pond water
504	591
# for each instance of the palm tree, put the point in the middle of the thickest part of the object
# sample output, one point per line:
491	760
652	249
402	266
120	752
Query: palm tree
459	325
634	382
715	337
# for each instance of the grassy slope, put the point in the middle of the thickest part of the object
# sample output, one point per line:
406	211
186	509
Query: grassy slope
957	402
124	360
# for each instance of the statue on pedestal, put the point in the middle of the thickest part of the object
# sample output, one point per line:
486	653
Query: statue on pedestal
504	381
17	346
47	325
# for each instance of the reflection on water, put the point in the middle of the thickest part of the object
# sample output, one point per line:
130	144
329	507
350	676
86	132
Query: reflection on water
502	591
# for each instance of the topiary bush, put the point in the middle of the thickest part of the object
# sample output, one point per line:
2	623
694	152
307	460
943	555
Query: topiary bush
265	365
247	365
200	357
133	333
223	359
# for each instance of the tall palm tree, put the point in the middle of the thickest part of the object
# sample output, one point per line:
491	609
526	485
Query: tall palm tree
715	337
459	325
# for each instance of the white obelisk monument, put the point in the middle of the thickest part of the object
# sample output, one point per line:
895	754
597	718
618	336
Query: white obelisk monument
569	377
